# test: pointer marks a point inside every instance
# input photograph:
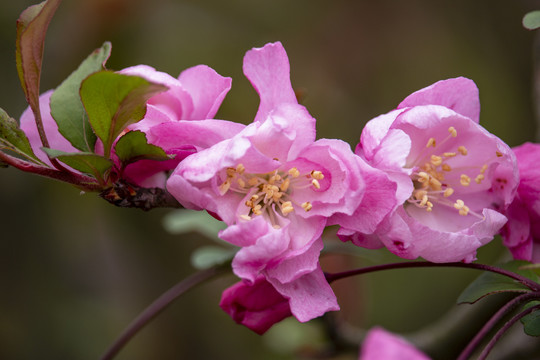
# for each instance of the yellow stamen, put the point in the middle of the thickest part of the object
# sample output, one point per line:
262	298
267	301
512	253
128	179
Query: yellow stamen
452	130
317	175
449	154
464	210
241	182
479	178
286	208
240	169
431	142
307	206
436	160
223	188
294	172
435	184
245	217
483	169
498	153
419	194
459	204
465	180
285	185
449	191
462	150
230	171
424	200
446	167
315	184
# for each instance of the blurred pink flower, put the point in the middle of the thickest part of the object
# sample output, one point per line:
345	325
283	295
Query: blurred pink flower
380	344
451	175
522	232
257	306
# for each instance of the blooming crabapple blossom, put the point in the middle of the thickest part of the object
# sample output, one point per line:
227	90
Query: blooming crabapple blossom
380	344
452	175
195	95
257	306
276	188
522	232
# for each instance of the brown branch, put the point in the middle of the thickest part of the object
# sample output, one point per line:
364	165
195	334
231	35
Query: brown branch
126	195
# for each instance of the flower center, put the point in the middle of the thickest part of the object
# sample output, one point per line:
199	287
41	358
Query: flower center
271	191
435	181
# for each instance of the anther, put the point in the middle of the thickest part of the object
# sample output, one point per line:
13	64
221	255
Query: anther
431	142
483	169
452	130
423	177
435	184
285	184
459	204
436	160
240	169
424	200
419	194
245	217
315	184
294	172
449	154
464	210
465	180
479	178
241	182
231	171
448	192
429	206
498	153
316	174
446	167
286	208
462	150
307	206
223	188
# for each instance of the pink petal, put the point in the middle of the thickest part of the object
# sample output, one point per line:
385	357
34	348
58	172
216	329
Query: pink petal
459	94
380	344
268	70
207	89
56	140
309	296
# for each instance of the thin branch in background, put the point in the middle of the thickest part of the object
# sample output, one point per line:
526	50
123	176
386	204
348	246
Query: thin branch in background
161	304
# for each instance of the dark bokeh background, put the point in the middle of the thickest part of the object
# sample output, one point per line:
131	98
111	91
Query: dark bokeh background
74	270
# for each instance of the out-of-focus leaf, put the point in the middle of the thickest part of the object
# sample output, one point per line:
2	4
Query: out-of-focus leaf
531	20
183	221
490	283
114	101
531	322
67	108
207	256
134	146
31	29
13	138
532	267
88	163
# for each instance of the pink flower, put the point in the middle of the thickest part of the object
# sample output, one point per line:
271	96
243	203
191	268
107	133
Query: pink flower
195	96
29	127
380	344
452	175
522	232
277	188
257	306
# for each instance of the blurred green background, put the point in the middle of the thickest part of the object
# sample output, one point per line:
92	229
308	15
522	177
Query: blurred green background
74	270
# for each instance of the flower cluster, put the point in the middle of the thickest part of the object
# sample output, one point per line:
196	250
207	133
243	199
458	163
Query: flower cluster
426	180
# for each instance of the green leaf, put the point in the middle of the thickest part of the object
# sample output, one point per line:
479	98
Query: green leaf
531	322
67	108
31	29
88	163
184	221
207	256
13	138
490	283
531	20
134	146
113	101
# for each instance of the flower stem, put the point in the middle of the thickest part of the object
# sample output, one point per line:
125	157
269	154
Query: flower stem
159	305
81	181
509	306
421	264
503	329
